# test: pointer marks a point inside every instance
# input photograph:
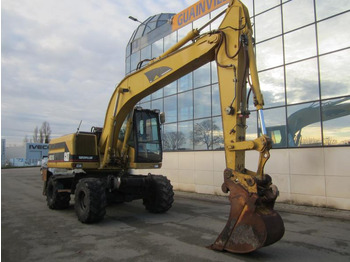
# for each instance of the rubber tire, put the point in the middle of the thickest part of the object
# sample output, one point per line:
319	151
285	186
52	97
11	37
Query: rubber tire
55	199
161	195
90	200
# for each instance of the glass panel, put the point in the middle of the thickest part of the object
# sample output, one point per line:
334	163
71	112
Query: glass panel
185	83
170	40
123	130
185	111
252	130
135	59
272	87
218	134
127	65
157	48
202	102
275	120
214	73
269	54
146	105
146	53
268	24
170	109
336	119
261	6
215	102
147	98
202	134
300	44
139	32
328	8
157	94
304	125
150	26
170	89
334	72
297	13
201	22
333	33
185	136
170	137
135	46
128	50
201	76
147	135
158	104
302	81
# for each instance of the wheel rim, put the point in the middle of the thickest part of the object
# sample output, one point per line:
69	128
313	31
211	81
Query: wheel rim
82	200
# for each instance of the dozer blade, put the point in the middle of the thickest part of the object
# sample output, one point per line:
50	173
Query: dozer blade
252	224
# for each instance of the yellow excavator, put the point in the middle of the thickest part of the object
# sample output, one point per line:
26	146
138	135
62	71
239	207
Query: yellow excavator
95	166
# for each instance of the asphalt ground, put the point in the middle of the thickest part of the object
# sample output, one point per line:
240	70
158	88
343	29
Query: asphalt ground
32	232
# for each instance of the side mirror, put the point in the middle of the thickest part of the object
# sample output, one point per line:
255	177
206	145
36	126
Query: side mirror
162	118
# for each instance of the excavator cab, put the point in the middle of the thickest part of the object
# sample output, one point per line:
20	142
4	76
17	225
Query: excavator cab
148	145
140	139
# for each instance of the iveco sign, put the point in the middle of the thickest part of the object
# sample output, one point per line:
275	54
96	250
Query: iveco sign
38	146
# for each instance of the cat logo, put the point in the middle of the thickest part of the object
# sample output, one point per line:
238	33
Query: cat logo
156	73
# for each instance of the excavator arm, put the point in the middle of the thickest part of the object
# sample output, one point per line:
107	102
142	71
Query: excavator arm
252	222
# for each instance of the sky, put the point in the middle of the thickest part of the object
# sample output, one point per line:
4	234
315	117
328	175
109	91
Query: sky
61	60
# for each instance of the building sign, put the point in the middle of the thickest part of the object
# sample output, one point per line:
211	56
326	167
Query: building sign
196	11
35	152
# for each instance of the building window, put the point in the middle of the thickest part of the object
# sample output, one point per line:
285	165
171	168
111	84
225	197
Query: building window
300	44
202	134
269	53
268	24
170	137
185	135
302	81
304	125
329	41
334	73
202	102
298	13
272	87
336	119
185	83
170	109
185	106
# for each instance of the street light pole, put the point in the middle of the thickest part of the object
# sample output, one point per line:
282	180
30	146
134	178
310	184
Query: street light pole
136	20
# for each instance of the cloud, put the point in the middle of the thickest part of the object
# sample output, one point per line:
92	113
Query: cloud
61	60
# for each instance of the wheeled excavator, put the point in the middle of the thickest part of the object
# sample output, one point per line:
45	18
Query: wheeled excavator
95	166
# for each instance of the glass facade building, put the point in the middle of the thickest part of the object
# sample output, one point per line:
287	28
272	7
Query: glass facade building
302	52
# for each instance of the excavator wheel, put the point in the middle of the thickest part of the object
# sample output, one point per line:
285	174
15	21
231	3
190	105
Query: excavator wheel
54	198
161	195
90	200
252	222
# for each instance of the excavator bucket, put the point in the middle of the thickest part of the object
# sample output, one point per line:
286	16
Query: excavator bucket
252	222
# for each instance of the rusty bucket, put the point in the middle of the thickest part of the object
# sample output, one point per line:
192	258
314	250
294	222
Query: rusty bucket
252	222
